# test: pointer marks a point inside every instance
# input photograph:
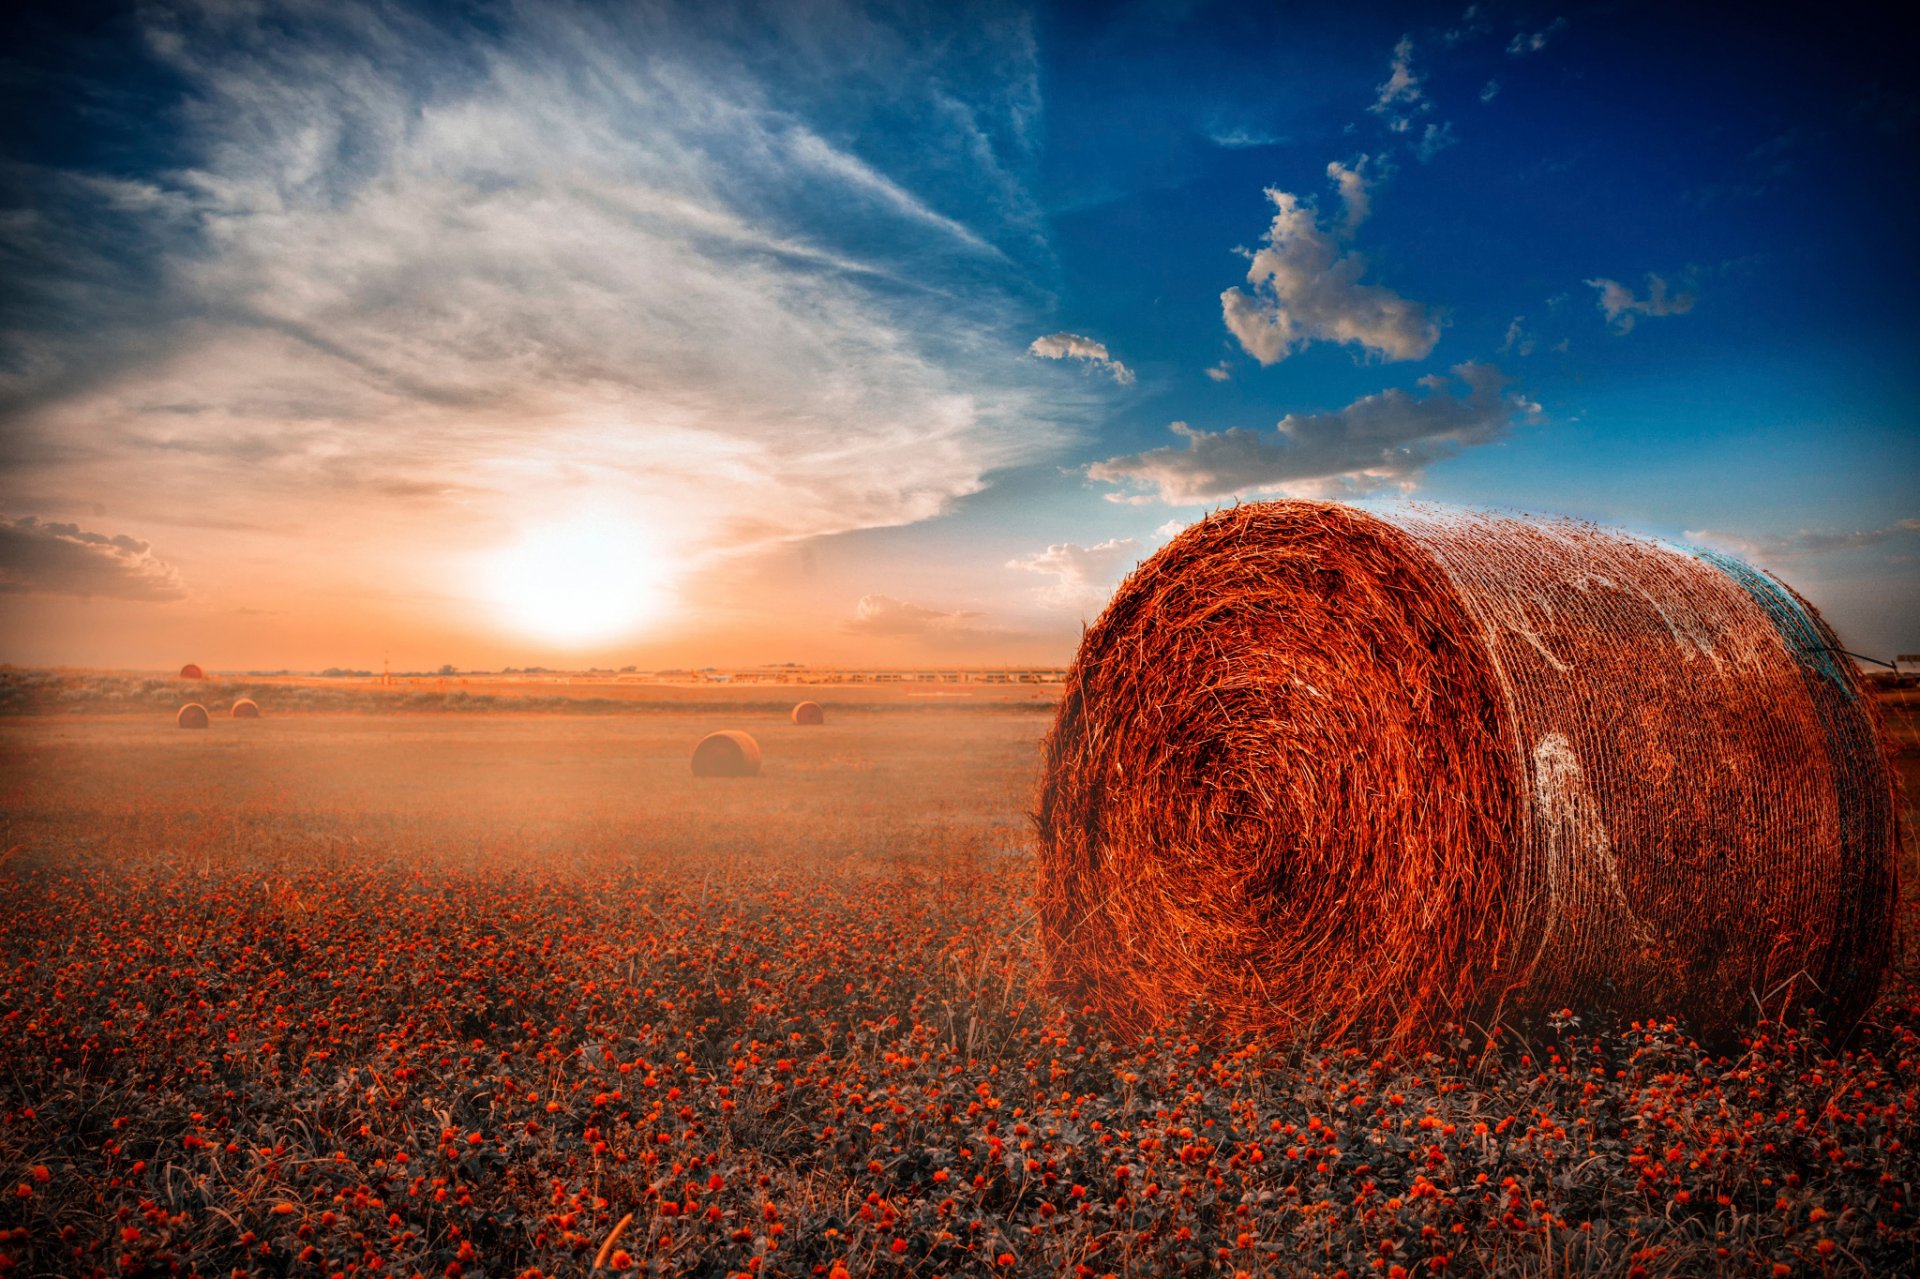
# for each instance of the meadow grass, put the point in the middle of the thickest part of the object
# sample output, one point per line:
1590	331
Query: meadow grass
457	994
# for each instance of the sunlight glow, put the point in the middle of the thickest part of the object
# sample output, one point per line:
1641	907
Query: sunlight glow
586	581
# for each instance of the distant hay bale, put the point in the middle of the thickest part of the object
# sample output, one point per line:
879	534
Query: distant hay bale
246	708
193	715
729	753
191	671
1320	771
809	713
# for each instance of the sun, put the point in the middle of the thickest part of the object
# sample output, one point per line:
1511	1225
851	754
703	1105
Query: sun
588	580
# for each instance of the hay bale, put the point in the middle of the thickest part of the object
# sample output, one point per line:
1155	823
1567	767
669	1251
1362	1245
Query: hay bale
1319	771
193	715
809	713
191	671
729	753
246	708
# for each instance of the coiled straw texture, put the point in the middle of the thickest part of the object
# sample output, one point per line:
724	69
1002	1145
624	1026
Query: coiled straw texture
1319	771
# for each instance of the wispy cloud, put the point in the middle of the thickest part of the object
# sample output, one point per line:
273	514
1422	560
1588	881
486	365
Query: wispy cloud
1435	139
1084	576
1520	340
1622	307
1402	95
1382	441
492	269
65	559
1306	288
1241	138
1072	346
1489	91
1533	41
1472	23
888	615
1355	188
1805	542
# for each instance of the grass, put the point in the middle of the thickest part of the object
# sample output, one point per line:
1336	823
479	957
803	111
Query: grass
443	995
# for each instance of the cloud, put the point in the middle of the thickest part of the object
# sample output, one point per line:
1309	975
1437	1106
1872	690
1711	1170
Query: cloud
1381	441
1065	346
886	615
1305	289
1622	307
488	268
1520	340
1472	23
1489	91
64	559
1401	95
1221	372
1084	576
1437	138
1805	542
1352	183
1525	43
1238	138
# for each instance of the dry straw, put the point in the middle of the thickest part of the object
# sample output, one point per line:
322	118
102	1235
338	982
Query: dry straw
809	713
246	708
192	671
1319	771
193	715
729	753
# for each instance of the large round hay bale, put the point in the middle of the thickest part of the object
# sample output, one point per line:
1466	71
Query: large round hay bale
729	753
809	713
191	671
1318	770
246	708
193	715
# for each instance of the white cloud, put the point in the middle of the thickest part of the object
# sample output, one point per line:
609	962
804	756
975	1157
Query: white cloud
1622	307
1084	576
1489	91
1354	187
587	253
1520	340
1805	542
1381	441
1306	289
64	559
1071	346
1401	95
888	615
1221	372
1525	43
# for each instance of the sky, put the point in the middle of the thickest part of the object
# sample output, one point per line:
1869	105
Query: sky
663	335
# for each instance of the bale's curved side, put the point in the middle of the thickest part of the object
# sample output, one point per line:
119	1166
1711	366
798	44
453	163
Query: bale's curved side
193	715
1317	769
192	671
809	713
728	753
246	708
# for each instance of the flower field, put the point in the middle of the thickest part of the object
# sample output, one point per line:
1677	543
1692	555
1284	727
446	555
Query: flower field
506	995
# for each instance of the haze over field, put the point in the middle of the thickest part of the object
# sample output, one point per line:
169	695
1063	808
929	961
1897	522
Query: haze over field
664	335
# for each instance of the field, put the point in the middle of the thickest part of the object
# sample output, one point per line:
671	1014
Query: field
357	989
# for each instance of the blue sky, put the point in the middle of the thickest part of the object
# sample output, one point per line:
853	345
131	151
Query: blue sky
833	332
